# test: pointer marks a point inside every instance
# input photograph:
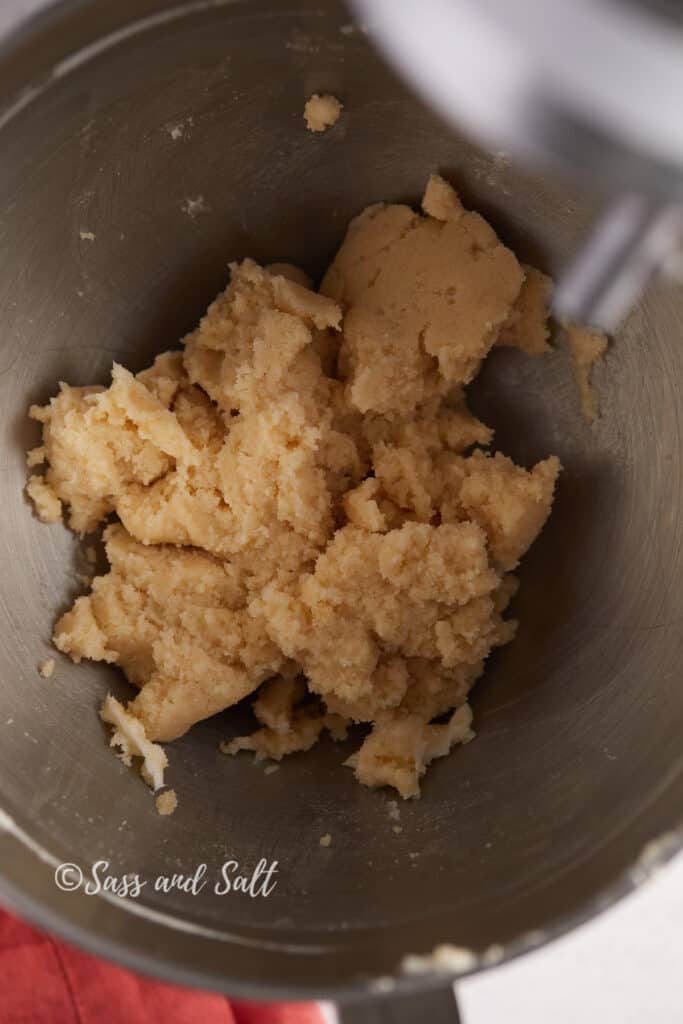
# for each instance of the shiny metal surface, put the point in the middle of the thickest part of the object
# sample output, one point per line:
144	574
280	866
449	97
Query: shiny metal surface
626	249
589	88
592	86
578	760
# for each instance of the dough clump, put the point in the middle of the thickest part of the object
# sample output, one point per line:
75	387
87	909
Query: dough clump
304	506
166	802
321	112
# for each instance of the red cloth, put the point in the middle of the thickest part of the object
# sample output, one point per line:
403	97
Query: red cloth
44	981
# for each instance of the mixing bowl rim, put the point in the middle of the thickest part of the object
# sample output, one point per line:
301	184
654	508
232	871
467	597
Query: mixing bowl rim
654	856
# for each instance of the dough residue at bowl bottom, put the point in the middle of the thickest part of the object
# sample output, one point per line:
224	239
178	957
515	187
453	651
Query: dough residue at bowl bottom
306	510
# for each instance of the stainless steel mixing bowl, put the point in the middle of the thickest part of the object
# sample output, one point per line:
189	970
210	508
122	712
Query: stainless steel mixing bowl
143	147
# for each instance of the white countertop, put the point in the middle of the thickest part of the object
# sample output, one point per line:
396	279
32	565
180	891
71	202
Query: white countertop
626	966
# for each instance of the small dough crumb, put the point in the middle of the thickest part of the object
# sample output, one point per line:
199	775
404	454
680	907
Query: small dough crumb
527	326
394	810
36	457
47	505
400	748
193	206
587	348
87	236
326	840
166	802
177	130
448	958
46	668
288	725
493	954
270	768
129	735
397	829
321	112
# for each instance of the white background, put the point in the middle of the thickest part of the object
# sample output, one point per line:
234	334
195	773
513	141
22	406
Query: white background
625	967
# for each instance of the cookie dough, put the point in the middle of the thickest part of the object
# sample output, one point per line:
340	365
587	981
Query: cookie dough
128	734
46	668
321	112
587	348
305	507
166	802
527	326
